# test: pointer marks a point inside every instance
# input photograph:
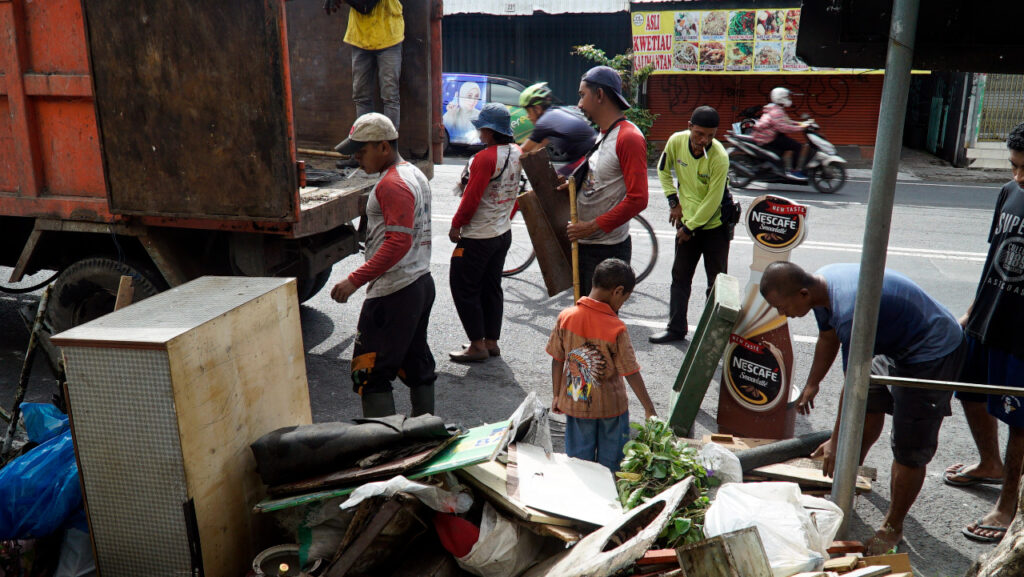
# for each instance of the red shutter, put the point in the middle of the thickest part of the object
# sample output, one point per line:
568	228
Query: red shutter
845	105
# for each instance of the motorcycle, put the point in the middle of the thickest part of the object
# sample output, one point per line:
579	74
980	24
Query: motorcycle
749	161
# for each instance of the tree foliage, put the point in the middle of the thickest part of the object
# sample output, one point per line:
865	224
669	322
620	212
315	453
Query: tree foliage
633	79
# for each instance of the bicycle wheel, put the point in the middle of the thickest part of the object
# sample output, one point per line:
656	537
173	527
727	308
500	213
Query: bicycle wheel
645	247
520	255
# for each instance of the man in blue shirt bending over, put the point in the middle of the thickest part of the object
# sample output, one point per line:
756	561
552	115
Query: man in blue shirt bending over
922	340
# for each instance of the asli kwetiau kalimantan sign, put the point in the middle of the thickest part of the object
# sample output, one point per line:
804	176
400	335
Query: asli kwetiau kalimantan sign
723	41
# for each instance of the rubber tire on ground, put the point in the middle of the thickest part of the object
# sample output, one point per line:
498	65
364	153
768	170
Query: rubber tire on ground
737	180
816	181
87	290
446	142
307	288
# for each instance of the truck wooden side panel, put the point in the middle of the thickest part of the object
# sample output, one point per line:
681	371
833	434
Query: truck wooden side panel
193	108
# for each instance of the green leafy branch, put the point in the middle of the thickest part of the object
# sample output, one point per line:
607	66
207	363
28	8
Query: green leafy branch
654	461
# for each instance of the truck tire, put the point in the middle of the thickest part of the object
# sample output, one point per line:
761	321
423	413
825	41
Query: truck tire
87	290
308	287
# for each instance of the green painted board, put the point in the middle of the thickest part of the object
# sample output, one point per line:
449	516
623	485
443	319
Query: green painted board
478	445
704	354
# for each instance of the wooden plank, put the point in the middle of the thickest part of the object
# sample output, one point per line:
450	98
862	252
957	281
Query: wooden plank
732	554
546	211
896	562
804	477
125	292
846	563
235	378
659	557
555	266
844	547
704	353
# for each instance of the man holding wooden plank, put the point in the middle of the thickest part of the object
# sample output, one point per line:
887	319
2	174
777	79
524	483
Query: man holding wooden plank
922	338
613	181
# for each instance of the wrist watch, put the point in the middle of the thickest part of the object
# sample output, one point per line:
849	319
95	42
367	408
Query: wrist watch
673	201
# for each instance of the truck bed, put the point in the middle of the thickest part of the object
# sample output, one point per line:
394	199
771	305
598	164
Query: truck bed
323	207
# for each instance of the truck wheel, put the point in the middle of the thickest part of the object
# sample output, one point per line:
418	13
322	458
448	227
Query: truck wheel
87	290
308	287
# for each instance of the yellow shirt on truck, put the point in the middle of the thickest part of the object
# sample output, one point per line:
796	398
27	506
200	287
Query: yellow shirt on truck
382	28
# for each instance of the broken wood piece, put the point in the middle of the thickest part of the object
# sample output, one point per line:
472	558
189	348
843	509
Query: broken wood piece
722	439
843	547
813	574
804	477
841	564
125	293
348	557
658	557
897	561
872	571
731	554
869	473
904	574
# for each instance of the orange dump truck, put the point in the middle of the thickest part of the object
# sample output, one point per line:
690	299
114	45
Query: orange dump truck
162	139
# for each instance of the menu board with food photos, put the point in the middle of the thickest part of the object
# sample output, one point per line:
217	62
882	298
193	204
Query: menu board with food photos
747	41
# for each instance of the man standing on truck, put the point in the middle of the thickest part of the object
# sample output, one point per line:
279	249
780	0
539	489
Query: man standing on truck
614	189
376	29
391	334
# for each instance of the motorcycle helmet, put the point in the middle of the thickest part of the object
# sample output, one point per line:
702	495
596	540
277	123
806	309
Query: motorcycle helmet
535	94
780	96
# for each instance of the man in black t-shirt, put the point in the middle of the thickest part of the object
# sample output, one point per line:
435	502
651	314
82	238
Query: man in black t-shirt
996	356
569	133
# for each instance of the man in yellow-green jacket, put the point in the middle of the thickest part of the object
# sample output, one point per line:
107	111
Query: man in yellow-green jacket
701	168
376	29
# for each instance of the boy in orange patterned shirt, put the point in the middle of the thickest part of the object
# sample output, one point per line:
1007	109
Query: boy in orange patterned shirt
591	354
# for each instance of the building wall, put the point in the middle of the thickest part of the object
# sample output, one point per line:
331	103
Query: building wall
533	48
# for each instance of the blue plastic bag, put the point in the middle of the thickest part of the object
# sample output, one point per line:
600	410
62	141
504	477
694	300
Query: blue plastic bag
39	490
43	421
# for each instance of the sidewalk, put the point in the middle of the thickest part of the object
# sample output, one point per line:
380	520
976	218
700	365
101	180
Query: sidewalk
921	165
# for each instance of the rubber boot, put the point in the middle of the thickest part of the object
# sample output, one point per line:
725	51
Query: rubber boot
422	398
378	404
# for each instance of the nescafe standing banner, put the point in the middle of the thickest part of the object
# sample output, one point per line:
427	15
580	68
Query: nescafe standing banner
755	373
776	224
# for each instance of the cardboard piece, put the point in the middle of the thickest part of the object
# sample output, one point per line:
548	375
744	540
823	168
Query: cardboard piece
491	478
566	486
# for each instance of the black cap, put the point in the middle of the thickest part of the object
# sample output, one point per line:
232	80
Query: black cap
705	117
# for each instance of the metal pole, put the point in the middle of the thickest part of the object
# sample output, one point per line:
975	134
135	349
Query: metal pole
888	143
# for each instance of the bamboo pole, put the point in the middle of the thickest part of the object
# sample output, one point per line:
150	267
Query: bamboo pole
574	218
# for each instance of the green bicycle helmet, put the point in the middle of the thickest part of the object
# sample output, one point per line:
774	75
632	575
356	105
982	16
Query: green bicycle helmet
535	94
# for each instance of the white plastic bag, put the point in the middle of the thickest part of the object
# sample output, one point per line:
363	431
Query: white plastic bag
721	463
795	538
433	497
504	548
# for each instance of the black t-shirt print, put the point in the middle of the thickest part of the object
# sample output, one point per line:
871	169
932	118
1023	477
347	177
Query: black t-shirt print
998	314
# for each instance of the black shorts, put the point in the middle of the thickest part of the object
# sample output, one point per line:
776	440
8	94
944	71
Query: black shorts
917	413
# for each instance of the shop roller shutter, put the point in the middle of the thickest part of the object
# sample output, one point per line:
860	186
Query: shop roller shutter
846	106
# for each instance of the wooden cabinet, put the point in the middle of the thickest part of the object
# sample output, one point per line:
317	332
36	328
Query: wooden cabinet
166	395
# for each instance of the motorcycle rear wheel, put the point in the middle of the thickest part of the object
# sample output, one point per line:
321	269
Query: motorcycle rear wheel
736	178
828	178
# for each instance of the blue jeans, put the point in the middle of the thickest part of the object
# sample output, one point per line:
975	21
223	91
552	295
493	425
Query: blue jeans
370	67
599	440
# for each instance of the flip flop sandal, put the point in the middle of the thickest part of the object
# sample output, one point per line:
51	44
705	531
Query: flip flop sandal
495	352
968	479
465	356
984	538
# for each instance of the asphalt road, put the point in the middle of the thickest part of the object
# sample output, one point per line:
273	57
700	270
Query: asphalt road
938	238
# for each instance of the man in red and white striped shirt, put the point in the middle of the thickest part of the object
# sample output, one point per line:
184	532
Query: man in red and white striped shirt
615	188
391	338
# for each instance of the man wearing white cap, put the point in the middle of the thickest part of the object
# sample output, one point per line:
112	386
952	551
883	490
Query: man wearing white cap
391	338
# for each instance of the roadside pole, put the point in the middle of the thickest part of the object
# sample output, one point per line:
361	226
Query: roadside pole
888	143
